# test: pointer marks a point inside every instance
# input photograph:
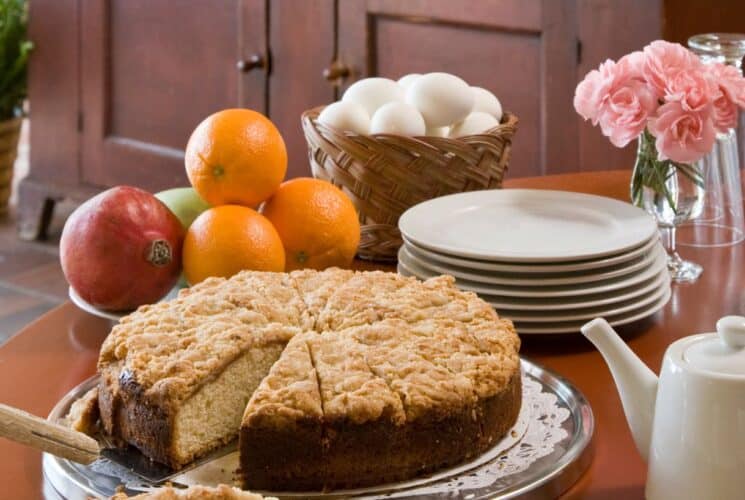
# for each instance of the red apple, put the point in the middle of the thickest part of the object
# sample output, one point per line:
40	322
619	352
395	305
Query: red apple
122	249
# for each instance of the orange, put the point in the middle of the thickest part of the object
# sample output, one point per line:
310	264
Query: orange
230	238
236	156
317	223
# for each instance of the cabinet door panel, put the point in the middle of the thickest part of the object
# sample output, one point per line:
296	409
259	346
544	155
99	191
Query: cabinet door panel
302	44
151	71
523	51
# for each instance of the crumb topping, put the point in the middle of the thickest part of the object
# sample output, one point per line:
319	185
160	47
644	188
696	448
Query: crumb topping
360	345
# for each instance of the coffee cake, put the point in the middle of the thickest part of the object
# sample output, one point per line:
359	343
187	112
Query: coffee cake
334	378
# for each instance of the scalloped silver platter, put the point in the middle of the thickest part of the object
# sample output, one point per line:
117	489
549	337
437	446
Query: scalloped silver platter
538	290
543	279
527	225
425	254
545	478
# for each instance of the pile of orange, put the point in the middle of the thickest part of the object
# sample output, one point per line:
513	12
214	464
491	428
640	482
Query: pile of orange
236	160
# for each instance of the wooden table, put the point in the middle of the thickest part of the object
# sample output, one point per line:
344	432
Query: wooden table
52	355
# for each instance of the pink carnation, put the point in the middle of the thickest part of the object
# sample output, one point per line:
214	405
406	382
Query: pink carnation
692	89
668	90
724	113
632	64
682	135
728	94
615	96
624	115
730	80
593	90
663	61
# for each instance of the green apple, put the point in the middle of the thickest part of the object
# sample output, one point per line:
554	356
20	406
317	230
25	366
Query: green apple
184	202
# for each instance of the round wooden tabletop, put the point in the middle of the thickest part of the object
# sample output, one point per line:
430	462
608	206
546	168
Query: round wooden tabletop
50	356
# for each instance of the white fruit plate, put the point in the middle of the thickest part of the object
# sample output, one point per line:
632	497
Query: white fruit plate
112	315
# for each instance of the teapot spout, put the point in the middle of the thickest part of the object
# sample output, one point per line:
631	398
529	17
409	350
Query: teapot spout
636	383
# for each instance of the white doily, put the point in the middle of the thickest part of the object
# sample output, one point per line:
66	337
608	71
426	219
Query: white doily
544	431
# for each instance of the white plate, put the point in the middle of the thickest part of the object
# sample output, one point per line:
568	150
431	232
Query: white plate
430	255
586	314
580	301
112	315
87	307
493	278
574	326
658	266
527	225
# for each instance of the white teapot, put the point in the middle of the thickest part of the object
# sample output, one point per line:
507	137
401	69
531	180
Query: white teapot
690	424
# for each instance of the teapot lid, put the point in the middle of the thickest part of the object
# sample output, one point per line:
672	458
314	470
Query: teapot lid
722	353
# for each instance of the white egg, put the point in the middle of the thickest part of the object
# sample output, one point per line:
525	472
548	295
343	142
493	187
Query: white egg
475	123
348	115
406	80
442	98
372	93
397	118
437	131
487	102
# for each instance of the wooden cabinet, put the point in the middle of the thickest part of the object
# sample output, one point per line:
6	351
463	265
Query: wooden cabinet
117	86
151	70
525	51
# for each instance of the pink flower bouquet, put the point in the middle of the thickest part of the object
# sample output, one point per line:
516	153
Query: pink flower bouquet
665	96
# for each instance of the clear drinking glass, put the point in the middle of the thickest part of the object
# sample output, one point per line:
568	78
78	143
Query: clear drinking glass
719	221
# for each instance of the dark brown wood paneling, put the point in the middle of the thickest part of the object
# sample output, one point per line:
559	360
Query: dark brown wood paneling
302	44
253	40
559	124
53	90
523	51
685	18
151	71
608	29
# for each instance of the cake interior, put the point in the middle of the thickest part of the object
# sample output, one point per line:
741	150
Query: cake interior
212	416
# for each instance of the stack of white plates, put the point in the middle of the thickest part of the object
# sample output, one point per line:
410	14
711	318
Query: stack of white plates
548	260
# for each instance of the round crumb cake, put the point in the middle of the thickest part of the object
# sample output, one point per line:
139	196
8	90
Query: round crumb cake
331	379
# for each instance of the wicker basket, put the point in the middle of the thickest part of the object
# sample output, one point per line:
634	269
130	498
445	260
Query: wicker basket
10	130
386	174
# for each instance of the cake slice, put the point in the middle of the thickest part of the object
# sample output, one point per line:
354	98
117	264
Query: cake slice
221	492
83	414
176	376
450	389
281	434
362	416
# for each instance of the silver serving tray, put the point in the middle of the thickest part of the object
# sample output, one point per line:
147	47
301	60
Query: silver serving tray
547	477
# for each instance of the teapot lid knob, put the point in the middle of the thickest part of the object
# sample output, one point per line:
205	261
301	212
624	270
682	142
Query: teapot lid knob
731	330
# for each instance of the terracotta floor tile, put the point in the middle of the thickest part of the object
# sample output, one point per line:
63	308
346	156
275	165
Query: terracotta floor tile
16	260
17	309
45	279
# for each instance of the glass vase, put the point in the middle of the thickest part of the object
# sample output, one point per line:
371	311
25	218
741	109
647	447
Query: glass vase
672	193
